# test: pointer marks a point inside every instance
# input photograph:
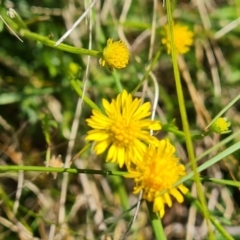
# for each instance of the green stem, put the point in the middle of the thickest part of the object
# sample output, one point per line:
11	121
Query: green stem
117	81
224	110
156	223
14	168
186	129
17	18
64	47
79	91
174	130
158	54
16	26
119	188
215	223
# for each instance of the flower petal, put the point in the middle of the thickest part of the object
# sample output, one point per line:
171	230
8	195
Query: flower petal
100	147
174	192
97	134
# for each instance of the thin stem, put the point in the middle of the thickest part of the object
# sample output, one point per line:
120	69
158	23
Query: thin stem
64	47
158	54
186	129
14	168
215	223
45	40
156	223
11	29
117	81
87	100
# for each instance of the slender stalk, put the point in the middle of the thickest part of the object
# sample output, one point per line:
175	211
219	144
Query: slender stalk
156	223
119	188
87	100
174	130
14	168
117	81
16	26
64	47
152	64
215	223
224	110
186	129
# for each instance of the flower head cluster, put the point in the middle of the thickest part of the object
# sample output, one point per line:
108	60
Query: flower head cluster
123	129
115	55
156	175
221	126
183	38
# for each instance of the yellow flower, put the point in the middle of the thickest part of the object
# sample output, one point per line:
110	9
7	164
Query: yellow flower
115	55
123	129
221	126
183	38
158	171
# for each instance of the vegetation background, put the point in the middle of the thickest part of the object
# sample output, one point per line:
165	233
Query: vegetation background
42	117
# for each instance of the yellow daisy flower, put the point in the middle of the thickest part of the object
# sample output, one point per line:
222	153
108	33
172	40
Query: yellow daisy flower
115	55
159	170
221	126
123	129
183	38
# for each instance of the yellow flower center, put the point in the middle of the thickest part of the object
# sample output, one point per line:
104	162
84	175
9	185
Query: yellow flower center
115	55
123	132
159	177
